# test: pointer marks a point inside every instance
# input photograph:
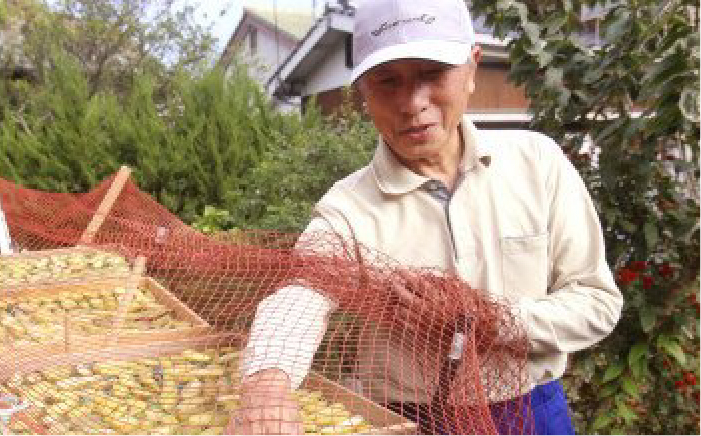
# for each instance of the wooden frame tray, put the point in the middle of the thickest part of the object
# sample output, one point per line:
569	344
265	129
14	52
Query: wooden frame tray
114	336
388	422
384	421
87	274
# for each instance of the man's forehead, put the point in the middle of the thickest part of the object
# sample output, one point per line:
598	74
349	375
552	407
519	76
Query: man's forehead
410	63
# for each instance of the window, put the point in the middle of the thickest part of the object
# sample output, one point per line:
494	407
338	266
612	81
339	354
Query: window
349	50
252	39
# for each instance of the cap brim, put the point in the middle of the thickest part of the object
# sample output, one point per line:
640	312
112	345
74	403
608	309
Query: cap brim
448	52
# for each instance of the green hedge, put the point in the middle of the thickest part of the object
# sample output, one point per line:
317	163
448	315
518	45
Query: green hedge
191	142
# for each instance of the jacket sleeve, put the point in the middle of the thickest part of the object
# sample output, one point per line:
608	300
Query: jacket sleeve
583	303
289	325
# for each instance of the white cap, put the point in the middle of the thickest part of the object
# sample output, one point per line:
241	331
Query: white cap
386	30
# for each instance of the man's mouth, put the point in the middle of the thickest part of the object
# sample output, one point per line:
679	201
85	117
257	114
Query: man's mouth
413	130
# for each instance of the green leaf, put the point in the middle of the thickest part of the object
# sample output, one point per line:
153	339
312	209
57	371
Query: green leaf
662	340
567	5
619	26
555	22
675	350
613	372
626	413
588	369
651	234
648	319
553	77
638	351
602	421
628	226
611	128
689	104
629	386
639	368
533	31
608	390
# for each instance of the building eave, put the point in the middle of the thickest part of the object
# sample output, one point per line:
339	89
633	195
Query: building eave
312	48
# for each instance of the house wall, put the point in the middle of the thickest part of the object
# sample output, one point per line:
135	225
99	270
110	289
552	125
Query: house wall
269	53
332	73
11	39
493	93
329	102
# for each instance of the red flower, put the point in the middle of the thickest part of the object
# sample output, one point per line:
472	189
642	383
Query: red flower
666	271
690	378
679	384
638	265
647	282
626	276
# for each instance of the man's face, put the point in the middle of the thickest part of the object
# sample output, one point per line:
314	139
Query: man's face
417	104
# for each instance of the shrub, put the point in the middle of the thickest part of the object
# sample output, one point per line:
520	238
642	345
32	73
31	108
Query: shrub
643	174
300	165
190	145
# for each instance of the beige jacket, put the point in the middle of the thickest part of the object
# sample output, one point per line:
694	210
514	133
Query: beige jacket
523	227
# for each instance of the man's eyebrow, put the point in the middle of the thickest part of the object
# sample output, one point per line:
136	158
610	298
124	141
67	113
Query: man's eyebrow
379	72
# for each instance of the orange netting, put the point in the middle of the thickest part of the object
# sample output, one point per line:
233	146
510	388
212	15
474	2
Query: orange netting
141	325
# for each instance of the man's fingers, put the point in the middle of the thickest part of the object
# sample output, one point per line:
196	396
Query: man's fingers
264	426
405	296
273	418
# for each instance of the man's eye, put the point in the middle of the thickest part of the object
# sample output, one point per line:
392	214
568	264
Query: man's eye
433	73
387	81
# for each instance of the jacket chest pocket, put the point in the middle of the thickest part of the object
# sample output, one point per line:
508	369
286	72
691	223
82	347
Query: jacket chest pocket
525	265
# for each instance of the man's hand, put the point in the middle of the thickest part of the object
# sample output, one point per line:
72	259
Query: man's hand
418	304
424	303
266	406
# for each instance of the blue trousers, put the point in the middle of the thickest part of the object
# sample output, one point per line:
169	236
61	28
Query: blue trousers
548	412
544	411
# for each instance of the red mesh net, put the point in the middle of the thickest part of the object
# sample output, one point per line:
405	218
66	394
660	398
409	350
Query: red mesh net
116	317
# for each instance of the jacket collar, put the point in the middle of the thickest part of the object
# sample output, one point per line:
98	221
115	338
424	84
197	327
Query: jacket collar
394	178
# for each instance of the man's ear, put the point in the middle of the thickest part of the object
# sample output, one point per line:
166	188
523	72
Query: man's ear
476	54
358	87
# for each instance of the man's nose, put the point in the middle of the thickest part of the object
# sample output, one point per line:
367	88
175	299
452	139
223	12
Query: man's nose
414	98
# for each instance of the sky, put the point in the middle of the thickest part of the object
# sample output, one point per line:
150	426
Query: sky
209	11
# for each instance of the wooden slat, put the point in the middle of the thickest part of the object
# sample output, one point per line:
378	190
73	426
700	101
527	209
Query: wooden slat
106	205
182	311
131	286
384	420
55	357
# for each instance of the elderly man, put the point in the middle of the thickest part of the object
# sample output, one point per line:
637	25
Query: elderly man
503	210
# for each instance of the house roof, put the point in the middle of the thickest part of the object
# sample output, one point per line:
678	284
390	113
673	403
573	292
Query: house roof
293	22
291	26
